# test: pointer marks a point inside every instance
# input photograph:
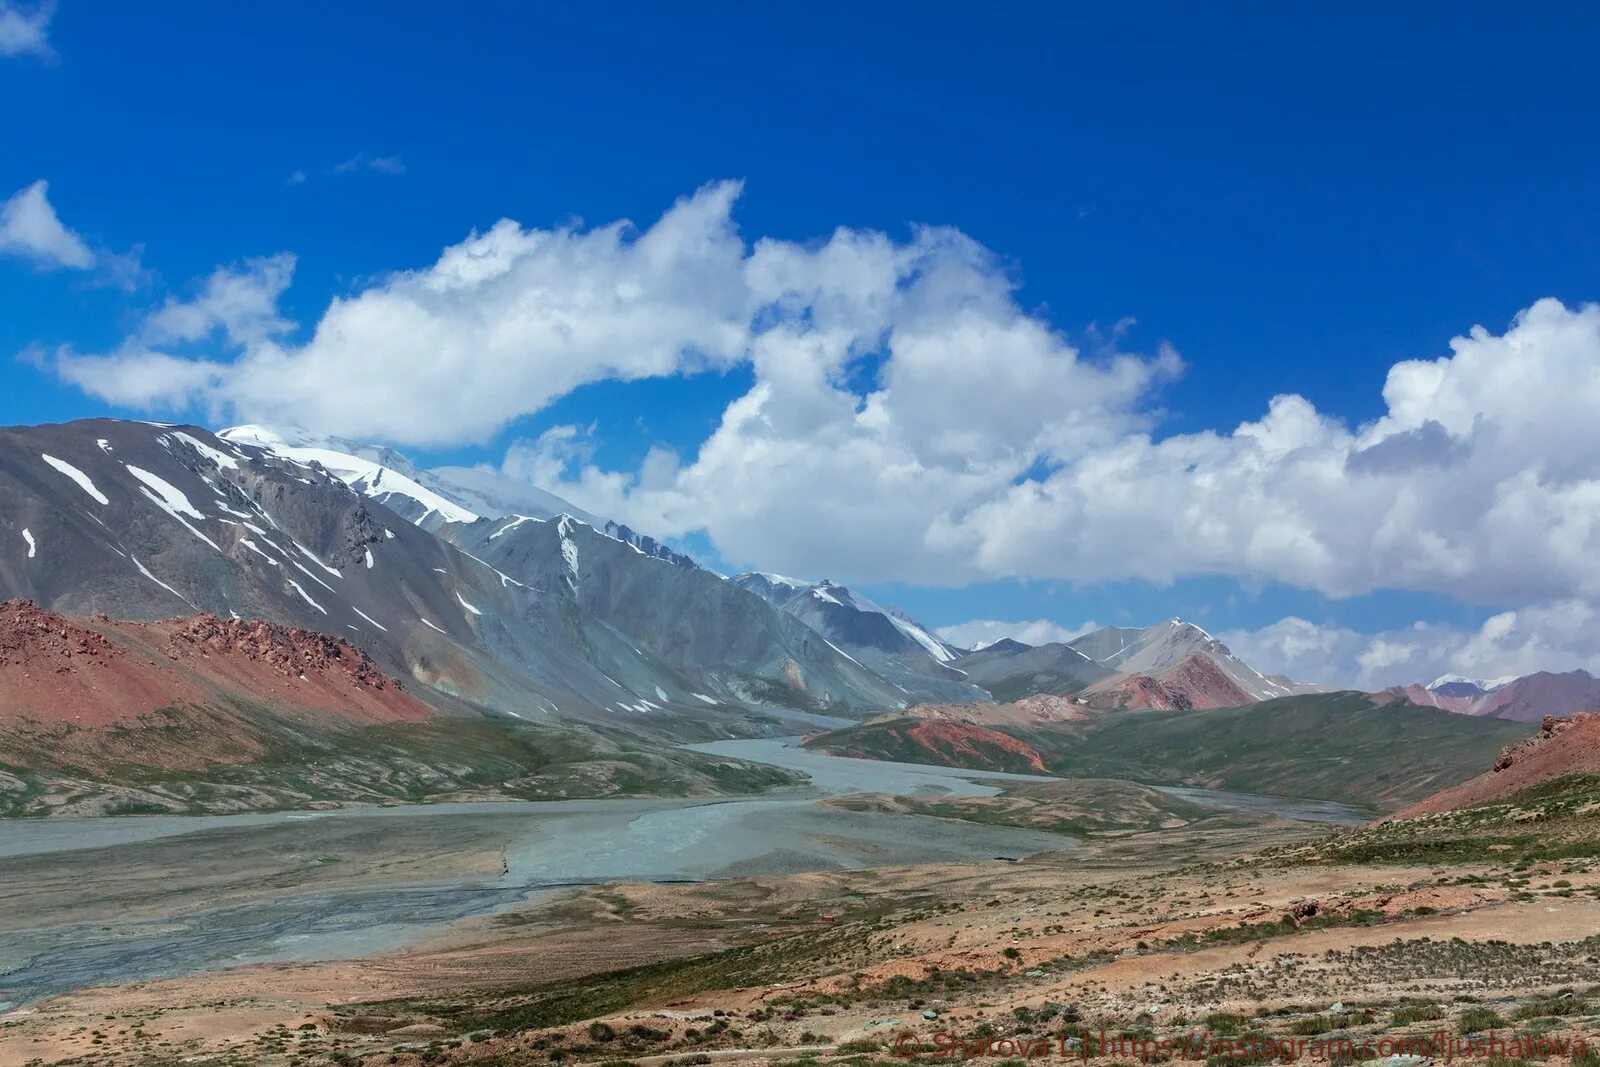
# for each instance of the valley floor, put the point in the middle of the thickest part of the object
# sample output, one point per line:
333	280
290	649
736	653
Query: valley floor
1166	923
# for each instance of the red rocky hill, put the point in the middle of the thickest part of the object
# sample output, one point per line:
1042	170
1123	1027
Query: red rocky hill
83	687
96	671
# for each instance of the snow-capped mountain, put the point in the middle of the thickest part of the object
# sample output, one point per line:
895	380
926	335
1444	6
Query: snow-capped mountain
1173	665
783	591
1528	698
1155	650
380	473
886	639
432	497
538	612
1455	684
144	522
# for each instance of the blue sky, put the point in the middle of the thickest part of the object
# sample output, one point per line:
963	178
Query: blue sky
1293	200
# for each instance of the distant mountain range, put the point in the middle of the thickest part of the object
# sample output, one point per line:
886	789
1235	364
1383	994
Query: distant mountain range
485	595
1174	665
1526	699
903	651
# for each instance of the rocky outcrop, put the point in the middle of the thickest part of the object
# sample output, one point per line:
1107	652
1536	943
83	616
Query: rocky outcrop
1550	728
95	673
30	634
290	651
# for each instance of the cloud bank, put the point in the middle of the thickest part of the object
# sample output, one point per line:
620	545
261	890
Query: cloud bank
909	420
1558	635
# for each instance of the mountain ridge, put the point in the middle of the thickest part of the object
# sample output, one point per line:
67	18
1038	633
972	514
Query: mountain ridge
144	521
1524	698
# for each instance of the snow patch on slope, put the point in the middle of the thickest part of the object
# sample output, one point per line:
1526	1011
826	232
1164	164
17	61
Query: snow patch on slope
146	572
569	548
305	595
170	496
369	618
930	644
252	546
76	475
171	499
220	458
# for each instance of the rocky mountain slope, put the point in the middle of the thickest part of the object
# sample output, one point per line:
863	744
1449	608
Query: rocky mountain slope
1196	681
144	521
689	636
431	497
894	645
1011	670
200	713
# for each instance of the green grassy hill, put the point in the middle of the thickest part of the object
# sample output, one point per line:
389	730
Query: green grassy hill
1557	820
1325	746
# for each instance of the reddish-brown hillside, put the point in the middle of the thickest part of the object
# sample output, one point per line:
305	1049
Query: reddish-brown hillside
1562	746
97	673
1196	683
202	714
937	740
969	745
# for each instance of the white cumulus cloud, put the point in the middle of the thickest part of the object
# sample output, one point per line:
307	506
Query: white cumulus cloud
1557	635
502	324
30	228
241	302
909	420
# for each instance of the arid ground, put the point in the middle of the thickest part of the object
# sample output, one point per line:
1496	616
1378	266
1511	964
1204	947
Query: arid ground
1224	925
